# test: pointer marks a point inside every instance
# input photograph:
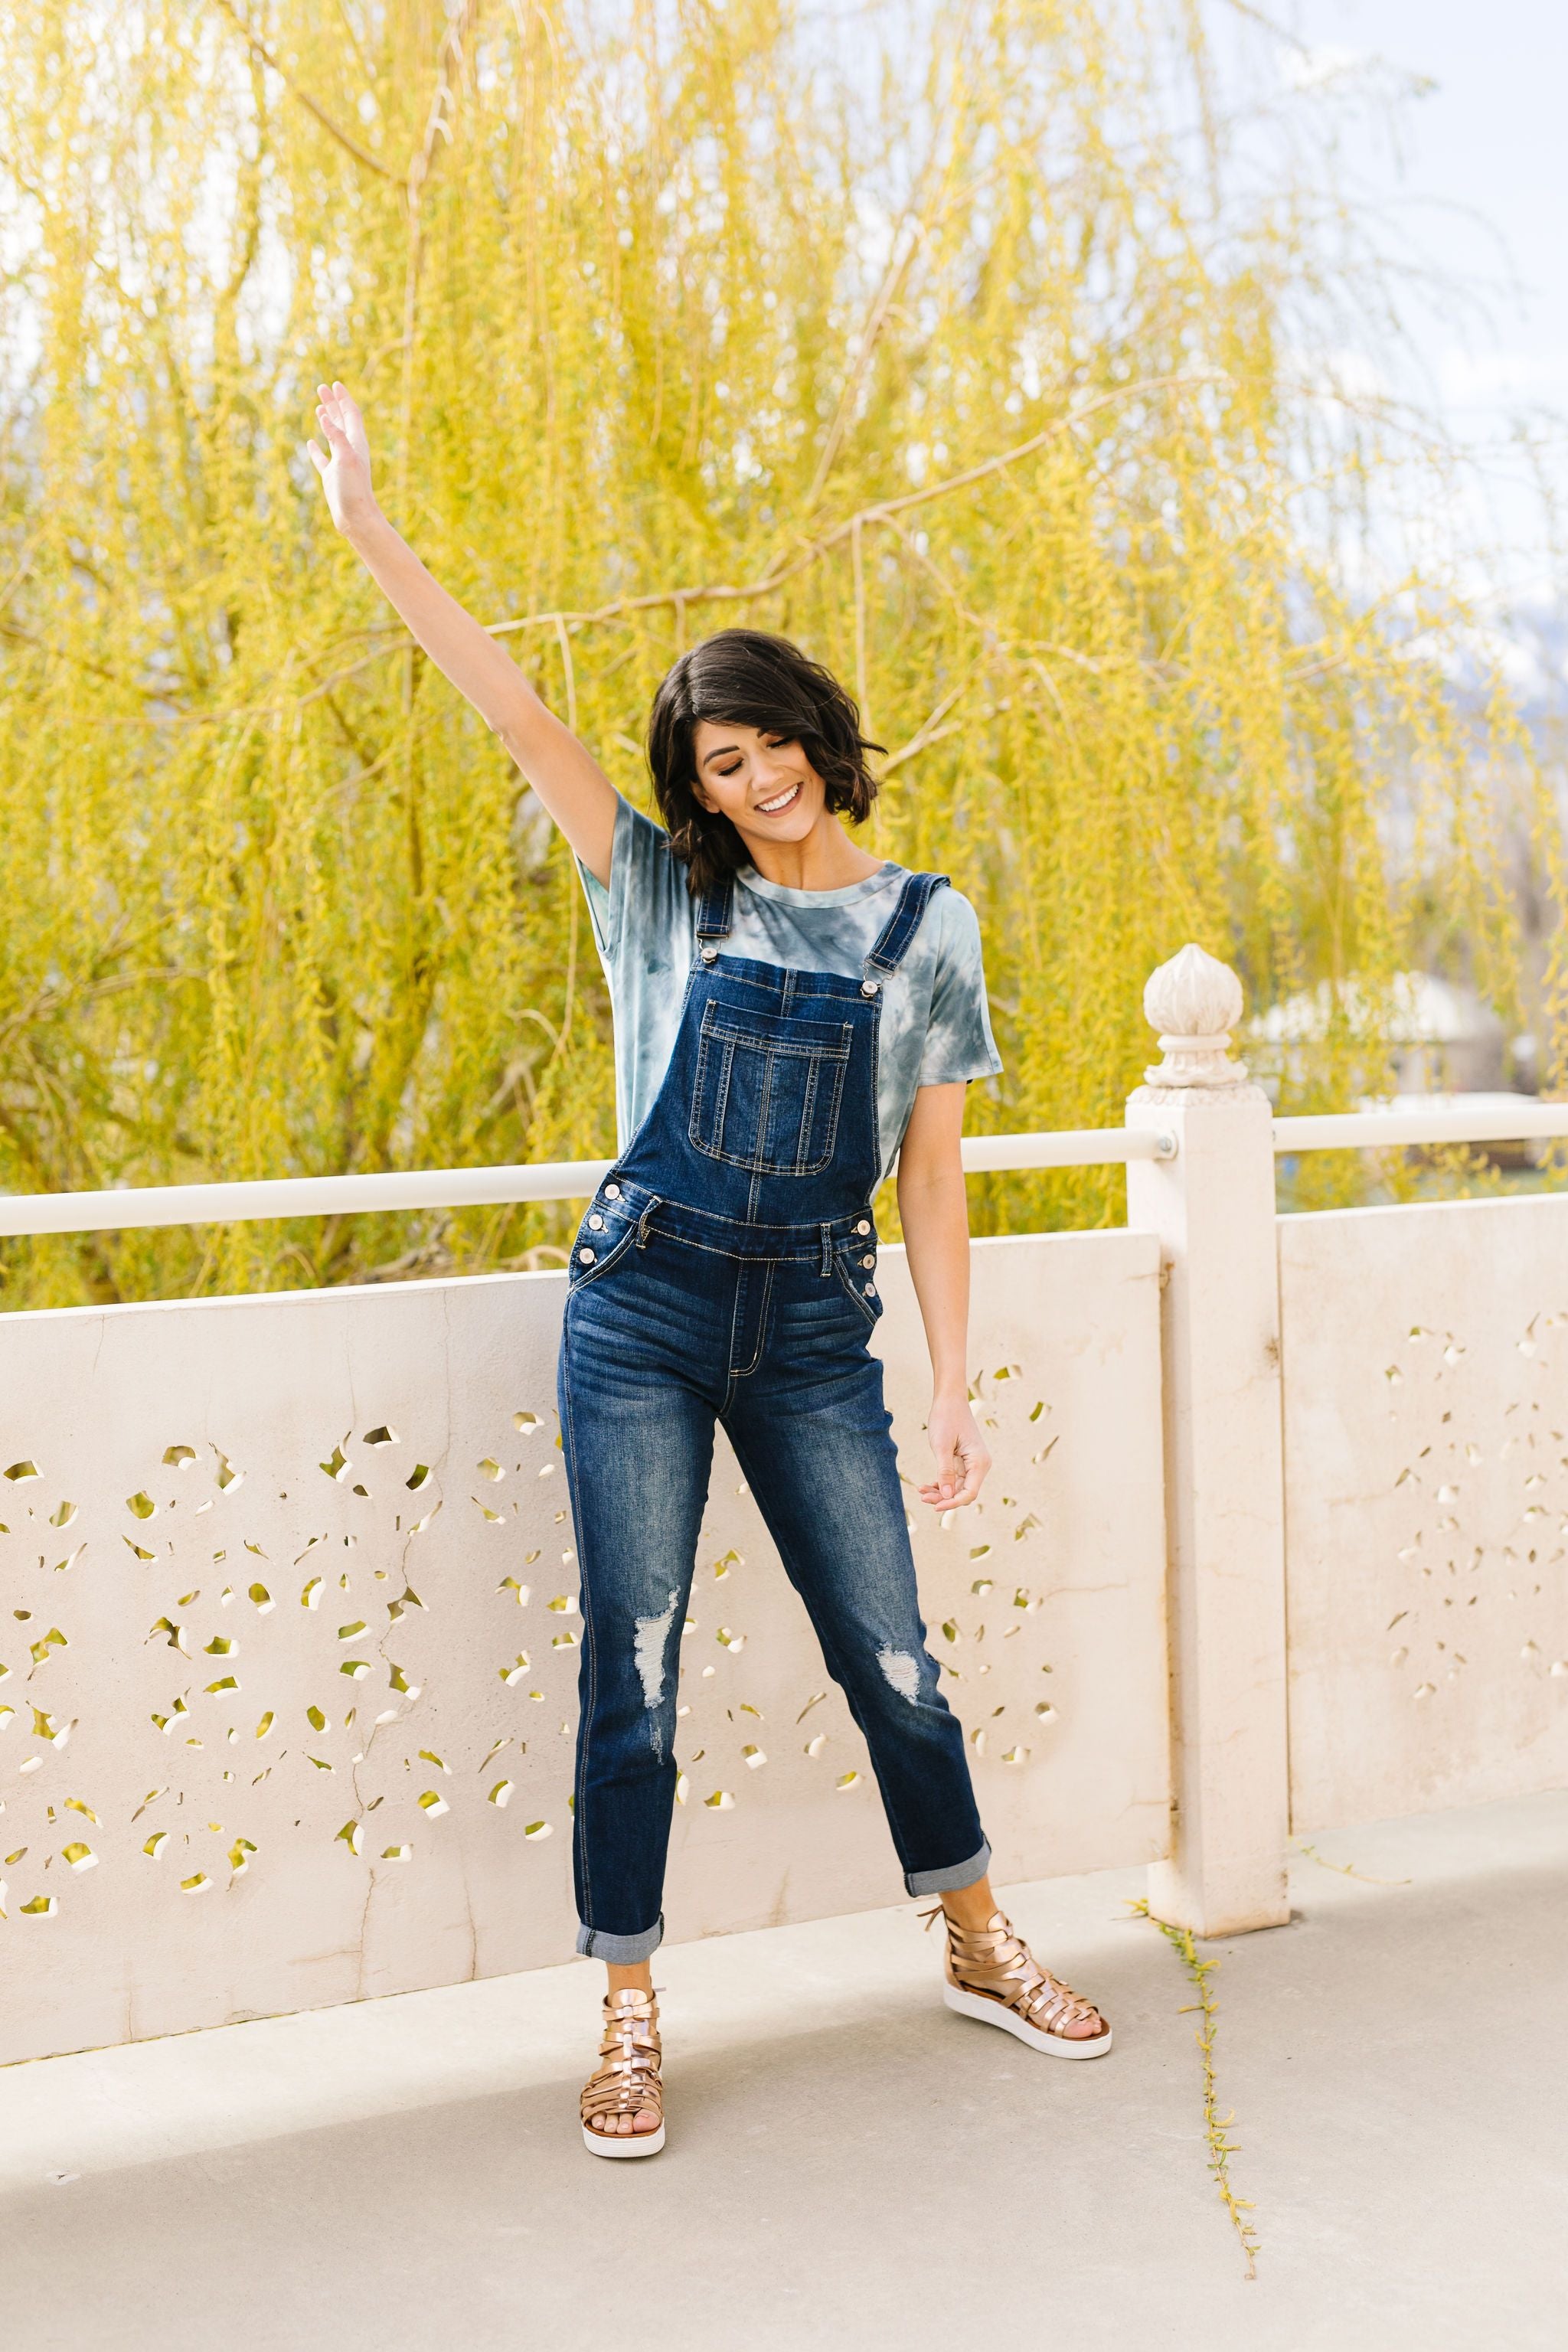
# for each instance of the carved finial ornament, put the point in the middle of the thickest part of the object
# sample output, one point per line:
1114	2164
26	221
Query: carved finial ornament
1194	1000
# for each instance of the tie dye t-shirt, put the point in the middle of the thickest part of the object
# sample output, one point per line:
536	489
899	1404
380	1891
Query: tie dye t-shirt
935	1026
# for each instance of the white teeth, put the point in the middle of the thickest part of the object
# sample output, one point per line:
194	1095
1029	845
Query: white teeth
768	808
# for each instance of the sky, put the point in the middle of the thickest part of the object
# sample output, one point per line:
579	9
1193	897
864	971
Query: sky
1476	176
1486	141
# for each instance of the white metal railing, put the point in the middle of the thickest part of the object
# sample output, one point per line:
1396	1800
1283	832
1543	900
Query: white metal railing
1083	1147
1489	1122
469	1188
575	1179
297	1196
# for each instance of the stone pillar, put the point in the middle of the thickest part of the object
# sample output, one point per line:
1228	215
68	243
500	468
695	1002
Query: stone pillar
1213	1208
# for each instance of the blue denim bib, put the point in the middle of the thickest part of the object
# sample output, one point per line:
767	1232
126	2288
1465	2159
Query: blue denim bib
761	1141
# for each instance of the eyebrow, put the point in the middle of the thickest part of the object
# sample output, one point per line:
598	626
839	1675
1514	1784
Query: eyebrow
723	752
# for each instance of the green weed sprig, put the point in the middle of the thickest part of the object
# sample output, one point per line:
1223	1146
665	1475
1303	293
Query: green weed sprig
1216	2125
1347	1870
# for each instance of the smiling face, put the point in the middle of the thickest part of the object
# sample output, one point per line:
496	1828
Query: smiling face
764	783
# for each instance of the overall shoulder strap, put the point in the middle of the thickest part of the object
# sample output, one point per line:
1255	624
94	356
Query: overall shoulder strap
715	912
907	917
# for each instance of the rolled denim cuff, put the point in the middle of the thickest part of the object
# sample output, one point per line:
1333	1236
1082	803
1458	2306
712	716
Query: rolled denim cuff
597	1944
948	1881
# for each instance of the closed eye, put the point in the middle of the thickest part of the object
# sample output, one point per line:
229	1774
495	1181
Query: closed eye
770	742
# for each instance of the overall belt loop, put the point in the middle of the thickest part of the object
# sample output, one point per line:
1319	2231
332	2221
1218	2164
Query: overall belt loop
826	1249
643	1222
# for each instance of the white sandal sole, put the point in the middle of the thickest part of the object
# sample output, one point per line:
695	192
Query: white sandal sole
992	2012
615	2144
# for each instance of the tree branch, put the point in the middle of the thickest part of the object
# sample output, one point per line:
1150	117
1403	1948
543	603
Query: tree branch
311	106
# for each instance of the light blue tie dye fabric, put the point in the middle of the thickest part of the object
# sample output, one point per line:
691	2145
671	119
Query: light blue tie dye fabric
935	1024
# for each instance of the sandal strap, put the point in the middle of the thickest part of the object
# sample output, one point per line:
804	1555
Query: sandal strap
629	2080
620	2096
995	1962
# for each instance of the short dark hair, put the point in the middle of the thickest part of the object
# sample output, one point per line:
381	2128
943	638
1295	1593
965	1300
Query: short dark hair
749	679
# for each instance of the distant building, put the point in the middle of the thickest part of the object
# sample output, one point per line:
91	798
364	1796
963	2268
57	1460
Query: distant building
1447	1040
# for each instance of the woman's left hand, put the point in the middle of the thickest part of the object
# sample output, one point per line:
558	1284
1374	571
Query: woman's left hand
963	1458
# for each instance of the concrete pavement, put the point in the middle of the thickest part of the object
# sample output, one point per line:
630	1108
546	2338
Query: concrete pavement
849	2165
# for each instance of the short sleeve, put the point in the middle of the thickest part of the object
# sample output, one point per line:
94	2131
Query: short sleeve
648	898
959	1043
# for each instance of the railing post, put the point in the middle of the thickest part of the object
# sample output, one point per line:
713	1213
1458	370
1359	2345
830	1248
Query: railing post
1212	1207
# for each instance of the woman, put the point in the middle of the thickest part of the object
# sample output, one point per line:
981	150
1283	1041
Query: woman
789	1015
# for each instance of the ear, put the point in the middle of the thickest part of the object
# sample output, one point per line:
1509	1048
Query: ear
703	798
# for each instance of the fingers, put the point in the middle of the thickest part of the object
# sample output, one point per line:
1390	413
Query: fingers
341	421
319	457
953	1493
941	1494
340	400
939	1491
342	446
973	1476
333	406
960	1481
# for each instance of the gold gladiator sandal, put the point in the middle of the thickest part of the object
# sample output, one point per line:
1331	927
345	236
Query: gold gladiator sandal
992	1975
629	2078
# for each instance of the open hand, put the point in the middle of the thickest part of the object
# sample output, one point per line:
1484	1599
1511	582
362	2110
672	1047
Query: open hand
344	464
962	1456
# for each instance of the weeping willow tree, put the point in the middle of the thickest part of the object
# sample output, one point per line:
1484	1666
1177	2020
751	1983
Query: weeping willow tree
953	342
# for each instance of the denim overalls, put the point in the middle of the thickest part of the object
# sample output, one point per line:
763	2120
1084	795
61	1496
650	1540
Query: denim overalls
726	1271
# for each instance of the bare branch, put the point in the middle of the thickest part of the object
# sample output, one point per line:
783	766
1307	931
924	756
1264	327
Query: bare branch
312	106
882	512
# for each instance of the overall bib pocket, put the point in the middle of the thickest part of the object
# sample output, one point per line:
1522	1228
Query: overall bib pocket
767	1091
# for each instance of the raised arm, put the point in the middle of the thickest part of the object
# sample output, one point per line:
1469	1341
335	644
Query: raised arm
567	778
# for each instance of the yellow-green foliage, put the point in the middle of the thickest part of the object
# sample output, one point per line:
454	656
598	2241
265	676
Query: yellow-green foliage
929	338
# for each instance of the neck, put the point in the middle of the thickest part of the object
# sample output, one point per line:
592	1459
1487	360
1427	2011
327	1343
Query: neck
825	859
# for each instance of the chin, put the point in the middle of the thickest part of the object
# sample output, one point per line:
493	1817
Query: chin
797	829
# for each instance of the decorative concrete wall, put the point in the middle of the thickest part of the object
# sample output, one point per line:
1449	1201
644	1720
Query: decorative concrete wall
1426	1506
289	1641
